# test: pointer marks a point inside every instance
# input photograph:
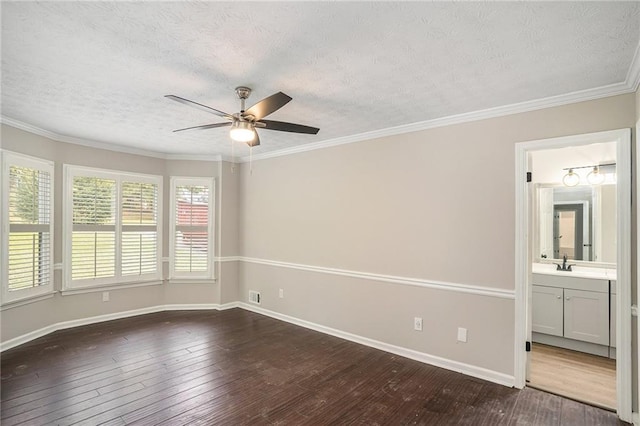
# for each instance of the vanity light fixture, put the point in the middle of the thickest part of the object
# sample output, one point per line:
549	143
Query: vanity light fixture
595	177
571	178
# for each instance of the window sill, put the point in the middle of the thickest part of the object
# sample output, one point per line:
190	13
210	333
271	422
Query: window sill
108	287
192	281
27	300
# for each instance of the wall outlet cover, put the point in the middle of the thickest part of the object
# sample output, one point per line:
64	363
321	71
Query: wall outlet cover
281	293
105	296
417	323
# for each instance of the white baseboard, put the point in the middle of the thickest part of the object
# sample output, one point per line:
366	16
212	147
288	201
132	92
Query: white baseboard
470	370
191	306
229	305
16	341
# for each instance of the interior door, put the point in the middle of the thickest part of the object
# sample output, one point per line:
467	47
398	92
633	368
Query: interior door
545	220
568	231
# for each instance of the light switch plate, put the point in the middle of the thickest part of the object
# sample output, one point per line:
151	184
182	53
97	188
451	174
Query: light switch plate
462	334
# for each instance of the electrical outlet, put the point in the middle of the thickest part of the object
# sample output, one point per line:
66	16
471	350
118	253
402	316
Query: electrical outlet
417	323
281	293
462	334
105	296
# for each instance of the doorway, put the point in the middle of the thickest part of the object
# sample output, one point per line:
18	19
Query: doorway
568	223
575	322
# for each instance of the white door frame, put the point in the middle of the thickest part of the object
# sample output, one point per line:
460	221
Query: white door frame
523	248
634	309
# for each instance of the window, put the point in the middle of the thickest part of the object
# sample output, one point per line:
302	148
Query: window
114	222
27	221
191	228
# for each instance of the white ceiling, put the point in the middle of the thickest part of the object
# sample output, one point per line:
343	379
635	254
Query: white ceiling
98	71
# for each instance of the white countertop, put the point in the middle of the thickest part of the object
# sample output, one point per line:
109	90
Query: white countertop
577	271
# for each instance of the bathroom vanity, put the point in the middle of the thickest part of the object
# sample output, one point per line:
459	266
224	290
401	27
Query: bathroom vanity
575	310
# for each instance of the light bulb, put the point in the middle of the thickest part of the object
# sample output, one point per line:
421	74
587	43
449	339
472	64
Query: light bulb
242	131
595	177
571	178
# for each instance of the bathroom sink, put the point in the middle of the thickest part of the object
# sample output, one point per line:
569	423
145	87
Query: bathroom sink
577	271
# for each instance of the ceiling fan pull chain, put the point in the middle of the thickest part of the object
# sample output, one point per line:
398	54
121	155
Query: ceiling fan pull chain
250	160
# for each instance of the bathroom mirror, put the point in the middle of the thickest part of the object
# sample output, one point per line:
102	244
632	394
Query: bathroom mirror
579	222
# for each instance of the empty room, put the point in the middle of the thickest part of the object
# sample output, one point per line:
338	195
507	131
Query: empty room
310	213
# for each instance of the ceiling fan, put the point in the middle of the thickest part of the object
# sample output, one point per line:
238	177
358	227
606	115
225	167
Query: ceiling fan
244	123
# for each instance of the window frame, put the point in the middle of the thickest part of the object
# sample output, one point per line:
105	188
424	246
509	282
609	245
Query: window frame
9	159
209	275
70	172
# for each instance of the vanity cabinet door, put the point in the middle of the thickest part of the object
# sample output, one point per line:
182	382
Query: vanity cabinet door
586	316
547	310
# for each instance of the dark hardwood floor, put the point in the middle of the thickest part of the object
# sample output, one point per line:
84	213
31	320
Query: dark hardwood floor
237	367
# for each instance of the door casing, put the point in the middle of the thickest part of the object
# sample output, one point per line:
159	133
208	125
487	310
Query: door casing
524	249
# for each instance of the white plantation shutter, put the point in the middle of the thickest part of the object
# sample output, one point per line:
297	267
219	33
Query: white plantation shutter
191	227
29	227
115	219
29	212
93	242
139	228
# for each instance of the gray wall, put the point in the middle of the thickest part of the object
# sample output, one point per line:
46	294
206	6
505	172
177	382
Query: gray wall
229	232
435	205
19	320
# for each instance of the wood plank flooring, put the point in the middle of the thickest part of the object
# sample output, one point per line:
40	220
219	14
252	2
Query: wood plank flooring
236	367
577	375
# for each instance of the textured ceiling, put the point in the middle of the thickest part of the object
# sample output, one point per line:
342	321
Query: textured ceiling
98	70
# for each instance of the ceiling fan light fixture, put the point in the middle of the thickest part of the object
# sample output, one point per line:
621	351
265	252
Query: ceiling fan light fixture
242	131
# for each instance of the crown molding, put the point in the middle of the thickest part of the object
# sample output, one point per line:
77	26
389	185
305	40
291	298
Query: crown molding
630	85
104	145
633	75
194	157
77	141
554	101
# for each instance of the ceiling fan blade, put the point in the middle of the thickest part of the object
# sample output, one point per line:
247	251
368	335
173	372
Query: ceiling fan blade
206	126
268	105
255	141
289	127
199	106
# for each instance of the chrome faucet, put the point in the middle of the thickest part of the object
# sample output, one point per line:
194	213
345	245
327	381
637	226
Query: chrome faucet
564	266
